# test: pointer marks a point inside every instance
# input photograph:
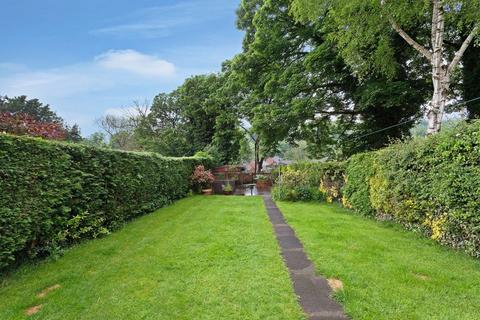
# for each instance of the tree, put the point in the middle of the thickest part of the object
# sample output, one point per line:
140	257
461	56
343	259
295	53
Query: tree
33	107
96	139
161	129
73	133
294	85
198	116
359	27
471	82
24	124
39	113
120	130
200	104
227	137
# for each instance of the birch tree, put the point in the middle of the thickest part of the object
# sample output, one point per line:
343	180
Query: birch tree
363	31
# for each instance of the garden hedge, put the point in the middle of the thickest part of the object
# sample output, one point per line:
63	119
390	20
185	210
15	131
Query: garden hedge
431	185
54	194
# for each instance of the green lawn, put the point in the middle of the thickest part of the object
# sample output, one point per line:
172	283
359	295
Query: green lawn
388	273
201	258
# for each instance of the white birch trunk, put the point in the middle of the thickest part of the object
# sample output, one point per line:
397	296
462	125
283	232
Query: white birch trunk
441	70
436	110
440	79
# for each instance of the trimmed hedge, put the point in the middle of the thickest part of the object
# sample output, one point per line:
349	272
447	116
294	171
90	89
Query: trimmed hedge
431	185
54	194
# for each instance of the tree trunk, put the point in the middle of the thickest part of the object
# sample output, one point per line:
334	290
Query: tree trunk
440	76
441	85
257	154
260	165
441	70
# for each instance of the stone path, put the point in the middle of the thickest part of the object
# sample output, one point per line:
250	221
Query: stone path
313	292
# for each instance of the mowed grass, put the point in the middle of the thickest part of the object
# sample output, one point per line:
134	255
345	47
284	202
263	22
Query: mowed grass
201	258
388	273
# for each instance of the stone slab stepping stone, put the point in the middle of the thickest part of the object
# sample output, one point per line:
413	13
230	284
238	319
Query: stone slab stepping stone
313	292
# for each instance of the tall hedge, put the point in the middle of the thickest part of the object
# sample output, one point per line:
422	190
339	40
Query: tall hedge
54	194
356	190
431	185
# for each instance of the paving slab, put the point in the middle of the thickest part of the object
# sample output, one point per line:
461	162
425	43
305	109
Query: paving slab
283	230
313	292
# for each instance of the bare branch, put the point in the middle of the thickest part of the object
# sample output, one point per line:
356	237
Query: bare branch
463	48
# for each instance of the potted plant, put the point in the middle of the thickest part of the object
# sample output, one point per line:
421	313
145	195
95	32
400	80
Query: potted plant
227	189
202	180
262	182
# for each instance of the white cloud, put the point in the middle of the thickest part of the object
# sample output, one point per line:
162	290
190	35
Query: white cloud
82	92
108	70
135	62
147	30
62	81
160	21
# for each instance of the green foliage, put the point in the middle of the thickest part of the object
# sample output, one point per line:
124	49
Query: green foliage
363	33
306	181
290	93
73	133
96	139
54	194
198	116
429	184
227	187
470	84
426	184
356	193
33	107
227	138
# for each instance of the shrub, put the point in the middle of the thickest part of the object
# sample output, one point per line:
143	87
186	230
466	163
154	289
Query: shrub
309	181
201	178
54	194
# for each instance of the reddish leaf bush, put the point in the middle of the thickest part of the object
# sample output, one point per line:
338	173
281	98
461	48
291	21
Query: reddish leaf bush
23	124
201	178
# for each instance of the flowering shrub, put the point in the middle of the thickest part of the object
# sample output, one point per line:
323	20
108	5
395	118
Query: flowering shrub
201	178
23	124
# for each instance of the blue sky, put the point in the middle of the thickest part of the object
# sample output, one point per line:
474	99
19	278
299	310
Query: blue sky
91	57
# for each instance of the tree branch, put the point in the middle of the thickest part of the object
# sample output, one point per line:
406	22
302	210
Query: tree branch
434	22
248	132
337	112
424	51
417	46
463	48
